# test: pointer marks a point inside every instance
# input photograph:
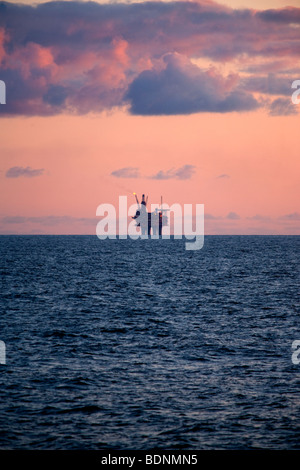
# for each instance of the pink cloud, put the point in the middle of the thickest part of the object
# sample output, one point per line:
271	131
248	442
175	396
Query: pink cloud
96	54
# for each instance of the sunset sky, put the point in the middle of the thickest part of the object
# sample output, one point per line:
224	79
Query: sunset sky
188	100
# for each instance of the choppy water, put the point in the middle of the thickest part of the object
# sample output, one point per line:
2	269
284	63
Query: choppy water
139	344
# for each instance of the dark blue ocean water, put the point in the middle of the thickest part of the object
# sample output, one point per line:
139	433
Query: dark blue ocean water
140	344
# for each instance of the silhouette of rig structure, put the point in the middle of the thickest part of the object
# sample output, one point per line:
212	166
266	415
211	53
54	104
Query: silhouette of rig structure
155	220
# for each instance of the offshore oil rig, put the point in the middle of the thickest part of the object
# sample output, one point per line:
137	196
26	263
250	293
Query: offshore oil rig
147	220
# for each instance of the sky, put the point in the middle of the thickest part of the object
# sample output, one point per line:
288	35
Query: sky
186	100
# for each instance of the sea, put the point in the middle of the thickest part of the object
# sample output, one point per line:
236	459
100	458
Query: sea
142	344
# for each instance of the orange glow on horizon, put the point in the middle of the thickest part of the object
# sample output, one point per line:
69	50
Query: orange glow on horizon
247	165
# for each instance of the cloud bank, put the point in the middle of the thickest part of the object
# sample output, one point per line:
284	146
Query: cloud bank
127	172
81	57
28	172
182	88
183	173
